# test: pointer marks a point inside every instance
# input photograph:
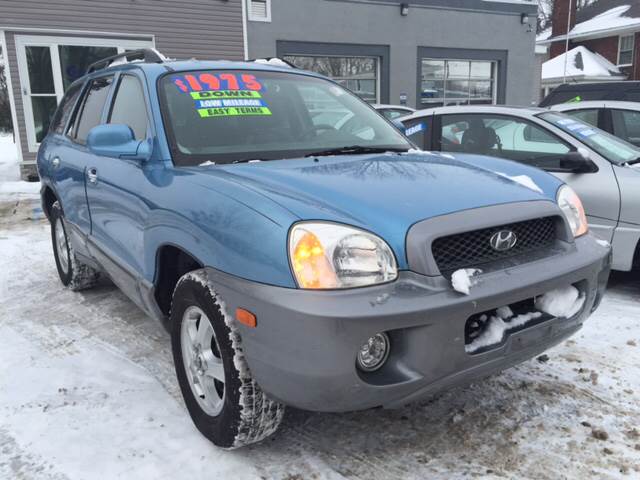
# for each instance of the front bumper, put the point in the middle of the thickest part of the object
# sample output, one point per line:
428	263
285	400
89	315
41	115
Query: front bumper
303	351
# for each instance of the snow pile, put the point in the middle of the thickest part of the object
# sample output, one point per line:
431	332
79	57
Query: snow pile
10	184
498	325
9	169
523	180
562	302
462	280
581	63
276	62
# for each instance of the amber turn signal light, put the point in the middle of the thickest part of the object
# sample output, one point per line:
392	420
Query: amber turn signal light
245	317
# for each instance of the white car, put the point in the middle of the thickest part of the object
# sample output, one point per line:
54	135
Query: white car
603	169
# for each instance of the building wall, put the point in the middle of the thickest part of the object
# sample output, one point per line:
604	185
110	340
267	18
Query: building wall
458	24
208	29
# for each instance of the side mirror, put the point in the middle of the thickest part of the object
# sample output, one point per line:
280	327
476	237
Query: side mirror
576	162
118	141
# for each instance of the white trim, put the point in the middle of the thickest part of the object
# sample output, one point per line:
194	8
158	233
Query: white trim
607	32
245	35
260	19
62	31
12	101
633	49
21	41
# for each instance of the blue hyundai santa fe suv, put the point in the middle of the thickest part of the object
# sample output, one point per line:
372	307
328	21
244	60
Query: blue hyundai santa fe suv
298	247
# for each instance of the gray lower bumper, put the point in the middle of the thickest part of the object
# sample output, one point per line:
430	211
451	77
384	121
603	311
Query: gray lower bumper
303	351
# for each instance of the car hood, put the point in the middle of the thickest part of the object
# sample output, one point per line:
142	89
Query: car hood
386	193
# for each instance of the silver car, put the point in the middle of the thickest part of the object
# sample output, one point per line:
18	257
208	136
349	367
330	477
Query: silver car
603	169
621	119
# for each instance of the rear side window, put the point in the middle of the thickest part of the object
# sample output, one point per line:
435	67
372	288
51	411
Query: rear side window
92	107
129	107
65	109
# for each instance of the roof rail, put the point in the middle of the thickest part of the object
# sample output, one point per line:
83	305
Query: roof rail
148	55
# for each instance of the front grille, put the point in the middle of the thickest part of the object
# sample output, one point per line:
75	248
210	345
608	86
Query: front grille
471	249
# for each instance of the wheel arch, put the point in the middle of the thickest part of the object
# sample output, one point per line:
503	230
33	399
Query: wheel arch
49	197
172	262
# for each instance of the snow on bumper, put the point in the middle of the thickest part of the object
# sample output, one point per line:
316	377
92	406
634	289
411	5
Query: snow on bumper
303	351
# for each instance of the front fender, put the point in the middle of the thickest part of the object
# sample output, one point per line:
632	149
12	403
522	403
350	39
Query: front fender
220	231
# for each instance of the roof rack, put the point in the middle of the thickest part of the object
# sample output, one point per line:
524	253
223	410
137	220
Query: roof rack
148	55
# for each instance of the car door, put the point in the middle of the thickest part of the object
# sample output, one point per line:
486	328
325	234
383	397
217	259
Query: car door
69	156
115	192
527	142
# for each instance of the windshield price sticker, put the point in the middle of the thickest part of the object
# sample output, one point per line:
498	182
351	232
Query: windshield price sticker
209	82
229	103
566	121
586	132
233	111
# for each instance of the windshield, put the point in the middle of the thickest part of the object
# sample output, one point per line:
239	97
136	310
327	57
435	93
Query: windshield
230	116
612	148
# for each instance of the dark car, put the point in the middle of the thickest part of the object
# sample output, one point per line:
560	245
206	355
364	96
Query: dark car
579	92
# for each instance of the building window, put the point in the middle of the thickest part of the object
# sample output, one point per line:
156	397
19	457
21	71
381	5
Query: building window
358	74
625	49
49	65
457	82
259	10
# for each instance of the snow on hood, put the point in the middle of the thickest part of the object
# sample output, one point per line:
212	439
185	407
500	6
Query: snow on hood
581	62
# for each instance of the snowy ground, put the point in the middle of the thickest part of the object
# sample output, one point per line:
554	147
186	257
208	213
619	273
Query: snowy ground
87	390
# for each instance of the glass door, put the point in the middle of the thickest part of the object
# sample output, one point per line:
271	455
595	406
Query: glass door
49	65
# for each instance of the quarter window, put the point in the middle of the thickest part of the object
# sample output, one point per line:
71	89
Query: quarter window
457	82
92	107
625	50
129	107
65	109
504	137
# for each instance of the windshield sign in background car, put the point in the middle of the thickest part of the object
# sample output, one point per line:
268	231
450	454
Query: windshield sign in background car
298	248
603	169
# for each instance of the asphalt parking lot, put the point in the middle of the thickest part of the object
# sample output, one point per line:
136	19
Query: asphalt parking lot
87	390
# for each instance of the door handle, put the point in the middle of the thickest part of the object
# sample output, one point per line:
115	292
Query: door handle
55	162
92	175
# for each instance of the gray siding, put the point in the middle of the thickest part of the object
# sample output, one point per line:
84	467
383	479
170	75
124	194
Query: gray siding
206	29
493	27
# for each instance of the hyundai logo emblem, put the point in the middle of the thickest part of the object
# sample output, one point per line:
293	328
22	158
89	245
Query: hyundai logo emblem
503	240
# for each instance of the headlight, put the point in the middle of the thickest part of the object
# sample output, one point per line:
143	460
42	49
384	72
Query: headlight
328	255
571	206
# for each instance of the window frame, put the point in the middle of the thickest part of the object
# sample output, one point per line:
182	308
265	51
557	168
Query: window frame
632	49
53	42
81	86
437	139
253	18
111	100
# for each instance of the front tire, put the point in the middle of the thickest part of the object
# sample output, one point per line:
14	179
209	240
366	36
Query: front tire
224	401
73	273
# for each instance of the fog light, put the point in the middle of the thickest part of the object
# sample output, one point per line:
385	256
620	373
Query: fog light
374	353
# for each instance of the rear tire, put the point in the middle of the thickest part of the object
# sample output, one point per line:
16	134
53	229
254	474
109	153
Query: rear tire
72	271
225	403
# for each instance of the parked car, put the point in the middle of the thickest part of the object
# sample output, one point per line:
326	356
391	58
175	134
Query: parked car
621	119
391	112
602	169
295	263
580	92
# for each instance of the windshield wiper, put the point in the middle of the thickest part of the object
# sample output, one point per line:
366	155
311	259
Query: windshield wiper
250	160
354	150
634	161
